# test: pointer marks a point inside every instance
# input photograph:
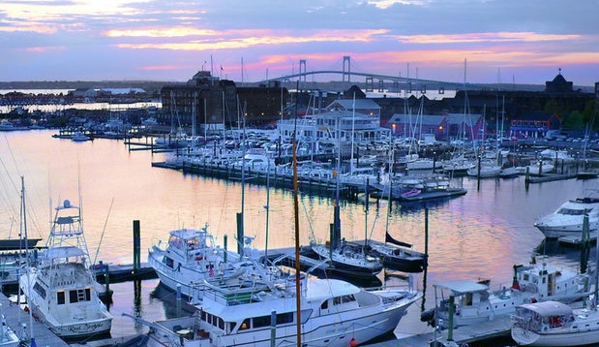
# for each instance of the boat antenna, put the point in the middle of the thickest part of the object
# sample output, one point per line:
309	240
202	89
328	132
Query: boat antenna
102	235
296	227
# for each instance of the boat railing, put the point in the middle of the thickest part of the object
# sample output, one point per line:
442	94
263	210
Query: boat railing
233	294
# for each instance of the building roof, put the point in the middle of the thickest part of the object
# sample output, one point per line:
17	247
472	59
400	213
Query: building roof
360	104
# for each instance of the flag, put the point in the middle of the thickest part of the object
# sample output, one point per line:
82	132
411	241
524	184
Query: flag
221	68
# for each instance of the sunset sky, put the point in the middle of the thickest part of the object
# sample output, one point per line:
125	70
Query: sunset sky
521	41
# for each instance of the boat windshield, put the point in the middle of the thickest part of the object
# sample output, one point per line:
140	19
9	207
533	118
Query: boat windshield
573	212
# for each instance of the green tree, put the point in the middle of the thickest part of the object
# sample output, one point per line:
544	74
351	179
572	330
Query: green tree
574	121
589	115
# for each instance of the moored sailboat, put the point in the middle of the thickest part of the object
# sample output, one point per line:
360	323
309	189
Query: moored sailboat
553	323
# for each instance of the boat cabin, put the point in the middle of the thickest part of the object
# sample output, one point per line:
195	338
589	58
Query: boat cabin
542	316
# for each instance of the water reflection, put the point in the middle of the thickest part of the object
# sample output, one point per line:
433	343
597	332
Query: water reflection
481	234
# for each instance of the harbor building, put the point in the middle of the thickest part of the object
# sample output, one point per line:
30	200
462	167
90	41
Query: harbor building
209	102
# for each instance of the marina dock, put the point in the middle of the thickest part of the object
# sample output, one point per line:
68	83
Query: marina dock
498	328
18	321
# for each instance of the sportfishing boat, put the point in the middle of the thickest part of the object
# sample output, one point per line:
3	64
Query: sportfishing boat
332	313
474	302
189	258
568	218
553	323
62	291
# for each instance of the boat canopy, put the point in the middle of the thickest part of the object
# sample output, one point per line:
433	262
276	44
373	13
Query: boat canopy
63	252
462	287
189	234
548	308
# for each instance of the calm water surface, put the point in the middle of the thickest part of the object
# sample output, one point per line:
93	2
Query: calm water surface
479	235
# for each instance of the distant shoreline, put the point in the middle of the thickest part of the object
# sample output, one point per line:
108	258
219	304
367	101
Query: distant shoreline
151	86
146	85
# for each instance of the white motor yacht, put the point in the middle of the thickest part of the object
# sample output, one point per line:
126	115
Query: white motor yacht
333	313
189	258
568	218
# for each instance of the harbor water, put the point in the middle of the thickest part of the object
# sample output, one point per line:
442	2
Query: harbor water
479	235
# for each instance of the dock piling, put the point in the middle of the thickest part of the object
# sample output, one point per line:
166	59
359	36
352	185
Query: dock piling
178	300
136	246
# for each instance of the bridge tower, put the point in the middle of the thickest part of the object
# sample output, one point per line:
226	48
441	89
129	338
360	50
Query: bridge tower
302	71
348	73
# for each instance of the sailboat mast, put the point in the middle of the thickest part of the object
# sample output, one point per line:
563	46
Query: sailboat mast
296	226
336	218
240	217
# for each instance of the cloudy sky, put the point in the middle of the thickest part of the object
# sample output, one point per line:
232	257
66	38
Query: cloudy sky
521	41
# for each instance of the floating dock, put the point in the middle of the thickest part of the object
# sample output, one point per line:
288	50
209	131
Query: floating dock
498	328
576	240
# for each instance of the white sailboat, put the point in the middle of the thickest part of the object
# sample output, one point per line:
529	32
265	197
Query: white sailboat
553	323
343	257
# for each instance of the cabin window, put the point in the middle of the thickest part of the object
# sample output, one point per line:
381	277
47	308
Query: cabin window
79	295
263	321
39	289
343	299
60	297
283	318
245	325
347	298
72	296
232	326
168	262
324	305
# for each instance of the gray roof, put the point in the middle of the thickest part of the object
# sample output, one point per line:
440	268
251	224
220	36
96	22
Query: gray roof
462	287
425	119
548	308
458	118
360	104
